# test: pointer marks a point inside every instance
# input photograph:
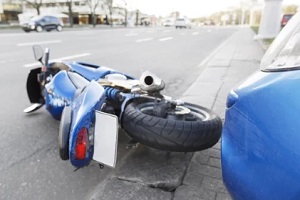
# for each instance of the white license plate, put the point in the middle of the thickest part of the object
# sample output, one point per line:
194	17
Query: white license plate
106	139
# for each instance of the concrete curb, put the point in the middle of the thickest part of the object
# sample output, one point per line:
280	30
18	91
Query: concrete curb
264	45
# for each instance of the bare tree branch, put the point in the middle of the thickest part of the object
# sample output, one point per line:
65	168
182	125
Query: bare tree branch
93	4
35	4
109	4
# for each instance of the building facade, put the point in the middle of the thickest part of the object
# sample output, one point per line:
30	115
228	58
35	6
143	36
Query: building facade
19	11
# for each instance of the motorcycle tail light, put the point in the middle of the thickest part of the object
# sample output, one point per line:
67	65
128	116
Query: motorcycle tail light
81	144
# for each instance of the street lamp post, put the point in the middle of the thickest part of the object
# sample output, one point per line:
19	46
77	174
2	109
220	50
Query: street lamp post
270	21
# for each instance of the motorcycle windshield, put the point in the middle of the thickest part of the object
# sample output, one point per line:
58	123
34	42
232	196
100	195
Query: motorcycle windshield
284	52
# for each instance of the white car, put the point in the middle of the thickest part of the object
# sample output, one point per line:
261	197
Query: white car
183	23
168	23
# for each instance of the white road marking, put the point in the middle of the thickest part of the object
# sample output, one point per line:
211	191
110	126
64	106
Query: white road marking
165	39
131	34
166	31
59	59
34	43
144	40
195	33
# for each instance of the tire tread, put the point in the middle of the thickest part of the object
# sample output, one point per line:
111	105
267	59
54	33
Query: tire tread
171	135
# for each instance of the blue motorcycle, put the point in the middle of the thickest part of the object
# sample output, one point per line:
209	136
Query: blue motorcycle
93	101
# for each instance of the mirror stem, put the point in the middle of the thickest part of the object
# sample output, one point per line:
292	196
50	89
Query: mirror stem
47	52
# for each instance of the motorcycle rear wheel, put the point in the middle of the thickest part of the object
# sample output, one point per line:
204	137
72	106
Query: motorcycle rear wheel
196	131
64	133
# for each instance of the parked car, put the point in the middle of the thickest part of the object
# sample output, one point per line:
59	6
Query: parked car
40	23
261	135
183	23
168	23
285	19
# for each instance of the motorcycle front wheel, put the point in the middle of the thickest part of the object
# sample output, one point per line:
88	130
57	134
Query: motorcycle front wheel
177	130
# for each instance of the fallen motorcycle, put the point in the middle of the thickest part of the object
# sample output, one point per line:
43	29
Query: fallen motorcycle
92	101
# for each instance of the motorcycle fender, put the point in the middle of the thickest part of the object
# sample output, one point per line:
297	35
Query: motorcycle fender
33	87
106	139
83	109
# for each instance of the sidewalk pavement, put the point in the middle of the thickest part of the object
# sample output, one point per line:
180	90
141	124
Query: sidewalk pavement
151	174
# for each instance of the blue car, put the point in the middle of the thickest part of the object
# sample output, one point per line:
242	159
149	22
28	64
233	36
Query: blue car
261	135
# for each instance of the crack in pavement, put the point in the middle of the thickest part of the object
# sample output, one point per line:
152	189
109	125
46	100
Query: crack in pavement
42	149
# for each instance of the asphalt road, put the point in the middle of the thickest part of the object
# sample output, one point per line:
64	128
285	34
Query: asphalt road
30	167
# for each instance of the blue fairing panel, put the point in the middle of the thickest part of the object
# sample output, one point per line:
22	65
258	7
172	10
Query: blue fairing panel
261	136
61	91
93	72
83	115
90	73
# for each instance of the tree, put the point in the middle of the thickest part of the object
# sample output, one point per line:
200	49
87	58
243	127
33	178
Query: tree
122	11
290	9
69	4
93	4
137	16
109	4
35	4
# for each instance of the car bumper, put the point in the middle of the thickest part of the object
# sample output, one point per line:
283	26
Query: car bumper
28	28
260	138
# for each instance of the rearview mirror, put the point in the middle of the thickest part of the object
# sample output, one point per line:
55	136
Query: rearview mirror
38	53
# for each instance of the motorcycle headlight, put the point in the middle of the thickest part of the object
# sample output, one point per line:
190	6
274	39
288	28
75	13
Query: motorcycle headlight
284	52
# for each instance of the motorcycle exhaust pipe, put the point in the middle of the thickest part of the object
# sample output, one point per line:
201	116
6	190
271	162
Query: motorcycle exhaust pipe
150	82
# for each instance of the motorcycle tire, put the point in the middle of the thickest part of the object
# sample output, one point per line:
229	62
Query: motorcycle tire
198	130
64	133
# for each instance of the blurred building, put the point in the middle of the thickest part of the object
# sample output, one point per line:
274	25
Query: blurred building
9	11
14	11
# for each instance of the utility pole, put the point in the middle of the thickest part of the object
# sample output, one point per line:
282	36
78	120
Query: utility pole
270	21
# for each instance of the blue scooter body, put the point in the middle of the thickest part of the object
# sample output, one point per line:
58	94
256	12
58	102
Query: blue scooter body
62	96
84	98
61	91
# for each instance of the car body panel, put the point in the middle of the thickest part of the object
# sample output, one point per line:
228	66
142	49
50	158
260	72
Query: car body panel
183	23
285	19
169	22
260	138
